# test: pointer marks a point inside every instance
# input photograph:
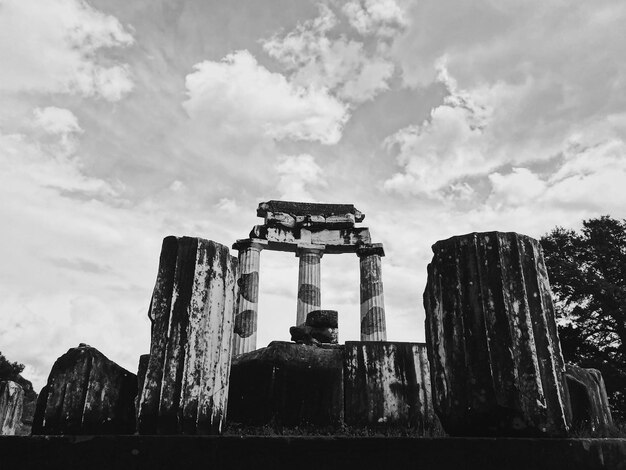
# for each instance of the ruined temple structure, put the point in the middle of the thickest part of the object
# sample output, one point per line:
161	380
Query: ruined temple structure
310	231
491	365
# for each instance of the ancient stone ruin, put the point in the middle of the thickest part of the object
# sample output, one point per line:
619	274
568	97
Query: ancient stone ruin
309	231
495	357
491	365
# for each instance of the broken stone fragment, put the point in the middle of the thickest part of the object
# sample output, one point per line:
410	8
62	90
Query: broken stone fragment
322	318
11	399
495	357
304	334
588	399
86	393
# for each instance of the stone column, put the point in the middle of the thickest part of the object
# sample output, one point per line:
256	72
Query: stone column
193	304
494	353
373	327
244	338
11	399
309	281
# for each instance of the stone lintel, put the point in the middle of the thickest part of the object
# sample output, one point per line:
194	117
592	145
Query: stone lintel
369	249
338	237
319	222
250	243
296	209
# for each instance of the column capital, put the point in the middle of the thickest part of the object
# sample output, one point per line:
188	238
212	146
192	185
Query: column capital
310	249
254	243
368	249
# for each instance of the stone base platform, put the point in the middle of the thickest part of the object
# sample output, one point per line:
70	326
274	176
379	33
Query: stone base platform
282	452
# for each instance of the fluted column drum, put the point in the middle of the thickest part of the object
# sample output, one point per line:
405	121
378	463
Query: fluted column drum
494	353
309	282
373	326
245	327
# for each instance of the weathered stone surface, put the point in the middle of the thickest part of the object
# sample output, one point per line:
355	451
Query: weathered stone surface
344	240
305	334
588	399
86	393
323	318
11	401
304	209
28	409
388	383
373	323
287	384
247	291
494	353
192	309
142	368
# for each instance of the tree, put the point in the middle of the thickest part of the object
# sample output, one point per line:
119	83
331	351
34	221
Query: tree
9	370
587	272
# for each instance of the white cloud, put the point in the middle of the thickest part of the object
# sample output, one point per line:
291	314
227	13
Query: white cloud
379	17
56	120
237	96
516	188
313	57
450	145
296	173
57	46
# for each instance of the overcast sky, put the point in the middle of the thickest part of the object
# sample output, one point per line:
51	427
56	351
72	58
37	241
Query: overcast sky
124	122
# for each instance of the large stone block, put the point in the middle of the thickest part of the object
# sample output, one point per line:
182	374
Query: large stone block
287	384
11	399
192	308
86	393
388	383
589	401
494	353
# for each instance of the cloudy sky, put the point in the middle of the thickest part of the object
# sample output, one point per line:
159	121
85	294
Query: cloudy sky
124	122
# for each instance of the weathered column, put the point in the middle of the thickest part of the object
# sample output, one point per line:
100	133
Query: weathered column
86	393
495	357
192	308
245	326
309	281
11	399
589	401
373	326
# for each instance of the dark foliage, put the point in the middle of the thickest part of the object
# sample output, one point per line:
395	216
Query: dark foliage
587	273
9	370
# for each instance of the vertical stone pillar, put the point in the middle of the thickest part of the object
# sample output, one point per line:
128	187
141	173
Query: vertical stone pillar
11	399
494	353
245	327
186	383
373	326
309	281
